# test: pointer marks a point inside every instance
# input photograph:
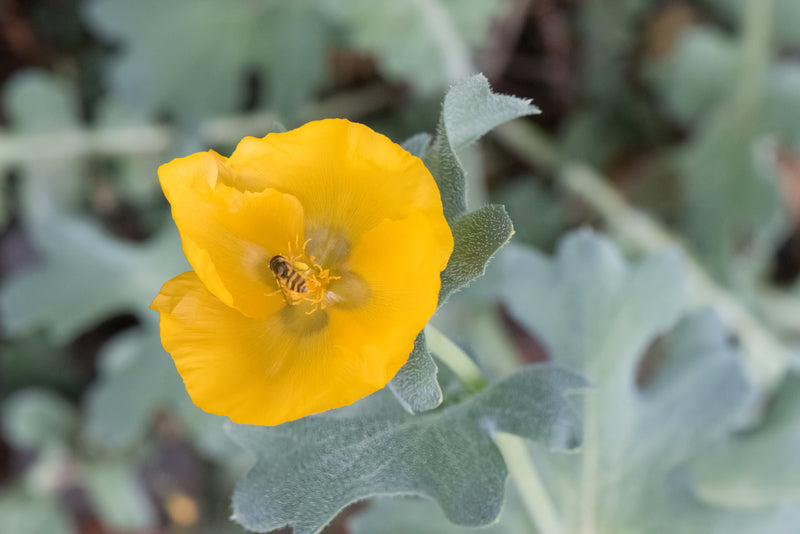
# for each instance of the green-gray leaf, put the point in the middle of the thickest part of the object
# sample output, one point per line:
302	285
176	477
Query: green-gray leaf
37	418
598	314
117	496
420	516
418	144
308	470
415	384
30	513
118	413
85	275
427	43
470	110
785	23
730	192
698	73
117	409
767	464
477	236
169	47
38	102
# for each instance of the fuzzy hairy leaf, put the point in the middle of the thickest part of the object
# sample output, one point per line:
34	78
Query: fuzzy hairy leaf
767	465
36	418
727	171
32	513
38	102
308	470
84	275
697	75
595	313
785	21
427	43
415	384
470	110
420	516
118	496
418	144
45	107
477	236
118	413
169	48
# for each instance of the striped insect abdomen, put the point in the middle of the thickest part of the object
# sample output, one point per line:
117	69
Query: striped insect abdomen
286	275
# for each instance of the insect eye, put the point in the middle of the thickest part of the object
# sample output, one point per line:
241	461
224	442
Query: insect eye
300	266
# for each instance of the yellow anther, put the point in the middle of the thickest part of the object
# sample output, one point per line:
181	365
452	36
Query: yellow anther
300	266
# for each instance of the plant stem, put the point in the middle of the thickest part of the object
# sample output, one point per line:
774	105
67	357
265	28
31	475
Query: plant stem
155	139
534	496
755	57
455	358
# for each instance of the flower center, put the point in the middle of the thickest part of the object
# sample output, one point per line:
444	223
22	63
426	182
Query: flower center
301	279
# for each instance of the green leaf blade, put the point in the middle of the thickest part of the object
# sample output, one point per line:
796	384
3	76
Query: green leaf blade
470	110
310	469
477	236
666	388
415	385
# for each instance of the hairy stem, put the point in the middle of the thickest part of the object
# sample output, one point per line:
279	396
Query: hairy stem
455	358
534	496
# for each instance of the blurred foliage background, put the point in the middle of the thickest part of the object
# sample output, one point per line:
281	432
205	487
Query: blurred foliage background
665	122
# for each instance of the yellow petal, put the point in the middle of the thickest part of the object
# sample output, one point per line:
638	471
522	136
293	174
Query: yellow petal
399	262
258	371
347	177
378	243
229	235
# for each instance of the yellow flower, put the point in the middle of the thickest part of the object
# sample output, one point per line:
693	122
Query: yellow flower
316	257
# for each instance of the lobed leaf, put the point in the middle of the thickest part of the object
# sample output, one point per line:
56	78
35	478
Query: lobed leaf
477	236
698	74
767	465
470	110
418	144
85	275
728	172
117	496
117	413
33	513
415	385
657	403
420	516
785	17
39	102
168	48
308	470
37	418
427	43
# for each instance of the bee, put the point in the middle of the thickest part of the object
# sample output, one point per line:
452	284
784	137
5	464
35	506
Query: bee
289	275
